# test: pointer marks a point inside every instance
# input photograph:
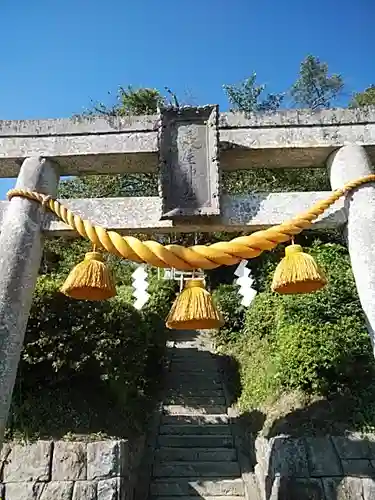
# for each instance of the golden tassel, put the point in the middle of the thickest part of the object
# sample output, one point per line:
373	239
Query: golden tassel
194	309
91	279
297	273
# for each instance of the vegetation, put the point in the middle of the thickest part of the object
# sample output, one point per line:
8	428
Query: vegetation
246	97
315	88
301	355
82	358
315	345
85	358
365	98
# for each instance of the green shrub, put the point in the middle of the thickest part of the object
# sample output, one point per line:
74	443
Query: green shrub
257	371
229	303
263	315
316	342
94	355
324	358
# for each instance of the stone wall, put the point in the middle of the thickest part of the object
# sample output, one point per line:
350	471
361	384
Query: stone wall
65	470
316	468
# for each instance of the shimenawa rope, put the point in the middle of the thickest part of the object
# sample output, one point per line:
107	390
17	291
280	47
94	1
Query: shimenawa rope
196	256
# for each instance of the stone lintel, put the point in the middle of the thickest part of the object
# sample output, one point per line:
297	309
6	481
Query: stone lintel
291	138
239	213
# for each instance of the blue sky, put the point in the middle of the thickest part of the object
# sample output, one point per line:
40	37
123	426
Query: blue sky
57	55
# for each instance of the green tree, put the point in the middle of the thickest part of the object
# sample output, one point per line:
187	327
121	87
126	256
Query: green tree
129	101
249	97
315	88
365	98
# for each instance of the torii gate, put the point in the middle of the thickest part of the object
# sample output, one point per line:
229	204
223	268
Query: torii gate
188	148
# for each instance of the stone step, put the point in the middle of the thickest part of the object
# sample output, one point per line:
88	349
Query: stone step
194	419
192	386
197	469
202	393
208	497
195	441
183	374
190	344
195	361
182	429
197	487
195	379
189	410
199	376
178	368
195	454
193	356
194	401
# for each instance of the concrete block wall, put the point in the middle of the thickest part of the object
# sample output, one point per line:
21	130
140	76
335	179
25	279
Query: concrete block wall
65	470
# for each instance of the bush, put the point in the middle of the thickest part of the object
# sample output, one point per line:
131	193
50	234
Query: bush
93	355
323	359
316	343
228	301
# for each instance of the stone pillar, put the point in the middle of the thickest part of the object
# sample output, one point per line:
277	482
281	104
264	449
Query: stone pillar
347	164
20	256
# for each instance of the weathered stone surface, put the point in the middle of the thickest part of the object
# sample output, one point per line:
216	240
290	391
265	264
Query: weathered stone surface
181	429
297	489
69	461
194	419
282	456
23	491
58	490
133	454
107	459
195	401
252	490
348	163
194	410
194	487
348	478
368	488
261	478
196	454
196	441
4	455
352	446
238	212
27	475
129	144
85	490
358	467
29	463
347	488
322	456
112	489
197	469
189	137
21	252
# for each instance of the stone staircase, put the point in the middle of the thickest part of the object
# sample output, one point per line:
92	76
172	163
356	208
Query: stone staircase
195	452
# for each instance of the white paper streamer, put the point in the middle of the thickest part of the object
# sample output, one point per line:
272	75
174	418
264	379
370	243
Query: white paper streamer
245	281
140	286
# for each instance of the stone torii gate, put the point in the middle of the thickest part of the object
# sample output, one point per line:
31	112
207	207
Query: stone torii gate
188	148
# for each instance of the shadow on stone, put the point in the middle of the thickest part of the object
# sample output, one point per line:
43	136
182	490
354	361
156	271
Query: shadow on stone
304	456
